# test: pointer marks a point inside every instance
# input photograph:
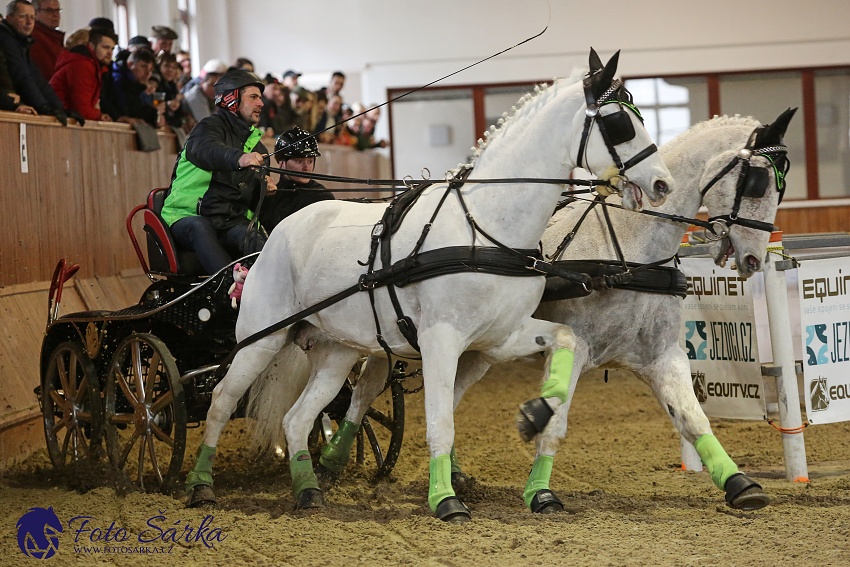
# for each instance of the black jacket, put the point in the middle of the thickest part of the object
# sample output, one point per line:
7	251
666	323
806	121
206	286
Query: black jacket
290	197
207	179
26	78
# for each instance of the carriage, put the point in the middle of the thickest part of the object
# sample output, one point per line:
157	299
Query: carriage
131	382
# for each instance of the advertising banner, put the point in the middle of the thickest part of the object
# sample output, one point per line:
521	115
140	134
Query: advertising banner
825	318
720	338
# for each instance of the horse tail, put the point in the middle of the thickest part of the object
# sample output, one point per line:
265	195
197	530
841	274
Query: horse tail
273	394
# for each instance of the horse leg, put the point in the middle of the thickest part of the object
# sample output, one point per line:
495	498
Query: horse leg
670	379
472	366
441	347
246	366
537	494
560	343
369	385
331	362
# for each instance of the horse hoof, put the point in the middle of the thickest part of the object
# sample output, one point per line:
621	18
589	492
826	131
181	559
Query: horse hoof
532	418
743	493
310	498
545	502
202	496
326	476
452	510
462	483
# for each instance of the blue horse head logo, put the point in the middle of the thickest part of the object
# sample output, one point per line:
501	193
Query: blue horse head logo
38	533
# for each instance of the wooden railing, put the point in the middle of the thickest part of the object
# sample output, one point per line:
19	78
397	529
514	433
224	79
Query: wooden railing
81	184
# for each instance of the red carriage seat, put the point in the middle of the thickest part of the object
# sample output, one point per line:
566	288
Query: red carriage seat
163	254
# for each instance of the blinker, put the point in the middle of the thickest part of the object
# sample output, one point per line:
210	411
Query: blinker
756	182
619	127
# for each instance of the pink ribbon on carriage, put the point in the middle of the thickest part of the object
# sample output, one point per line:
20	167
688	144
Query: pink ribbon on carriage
240	273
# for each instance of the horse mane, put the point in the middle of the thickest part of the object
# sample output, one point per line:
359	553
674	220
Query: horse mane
718	121
521	108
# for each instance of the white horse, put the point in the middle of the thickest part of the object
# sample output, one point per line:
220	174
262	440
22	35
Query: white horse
618	328
314	253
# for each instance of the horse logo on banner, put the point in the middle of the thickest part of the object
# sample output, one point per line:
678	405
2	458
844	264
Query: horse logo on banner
817	394
38	533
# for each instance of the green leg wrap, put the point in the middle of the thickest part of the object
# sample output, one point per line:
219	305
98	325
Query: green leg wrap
718	463
560	373
455	461
538	479
440	472
335	454
301	469
201	475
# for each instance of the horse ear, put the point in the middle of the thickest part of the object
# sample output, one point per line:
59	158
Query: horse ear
595	62
607	75
775	131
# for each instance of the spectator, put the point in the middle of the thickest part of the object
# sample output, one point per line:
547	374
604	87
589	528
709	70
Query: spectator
162	39
130	82
213	188
185	62
27	80
199	100
9	99
169	72
295	150
79	74
278	116
290	80
326	126
77	38
244	64
211	64
344	135
48	40
304	103
335	85
366	132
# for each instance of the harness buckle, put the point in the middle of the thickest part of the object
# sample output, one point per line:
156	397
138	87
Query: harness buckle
366	283
534	267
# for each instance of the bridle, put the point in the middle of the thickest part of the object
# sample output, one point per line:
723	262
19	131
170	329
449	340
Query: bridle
752	182
616	128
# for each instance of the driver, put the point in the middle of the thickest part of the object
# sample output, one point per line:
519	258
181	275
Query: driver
296	150
213	191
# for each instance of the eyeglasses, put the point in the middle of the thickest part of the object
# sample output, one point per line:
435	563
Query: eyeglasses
28	17
51	10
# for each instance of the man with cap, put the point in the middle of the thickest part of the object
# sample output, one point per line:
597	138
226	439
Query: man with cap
213	188
290	80
48	39
198	101
163	38
295	150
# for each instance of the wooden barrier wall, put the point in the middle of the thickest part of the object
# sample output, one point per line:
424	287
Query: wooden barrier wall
73	202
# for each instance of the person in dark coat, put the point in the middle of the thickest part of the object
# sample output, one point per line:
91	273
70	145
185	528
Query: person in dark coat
49	40
129	83
213	188
296	150
28	82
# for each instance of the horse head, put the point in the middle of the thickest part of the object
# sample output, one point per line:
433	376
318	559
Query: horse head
615	146
742	190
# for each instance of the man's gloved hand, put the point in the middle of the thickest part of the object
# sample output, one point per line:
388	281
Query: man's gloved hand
76	116
60	115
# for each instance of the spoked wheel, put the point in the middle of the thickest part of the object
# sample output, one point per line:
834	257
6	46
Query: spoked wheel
145	413
71	404
378	442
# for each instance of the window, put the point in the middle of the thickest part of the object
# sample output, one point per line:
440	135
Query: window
669	106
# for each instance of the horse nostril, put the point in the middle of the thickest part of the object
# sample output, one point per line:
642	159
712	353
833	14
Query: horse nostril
661	187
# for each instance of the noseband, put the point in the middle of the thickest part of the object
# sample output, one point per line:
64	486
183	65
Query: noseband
616	128
752	182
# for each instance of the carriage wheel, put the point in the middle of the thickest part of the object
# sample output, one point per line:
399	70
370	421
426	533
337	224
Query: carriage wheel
71	404
378	442
145	413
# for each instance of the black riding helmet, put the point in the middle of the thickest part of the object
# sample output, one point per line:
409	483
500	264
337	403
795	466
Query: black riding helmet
296	143
227	88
